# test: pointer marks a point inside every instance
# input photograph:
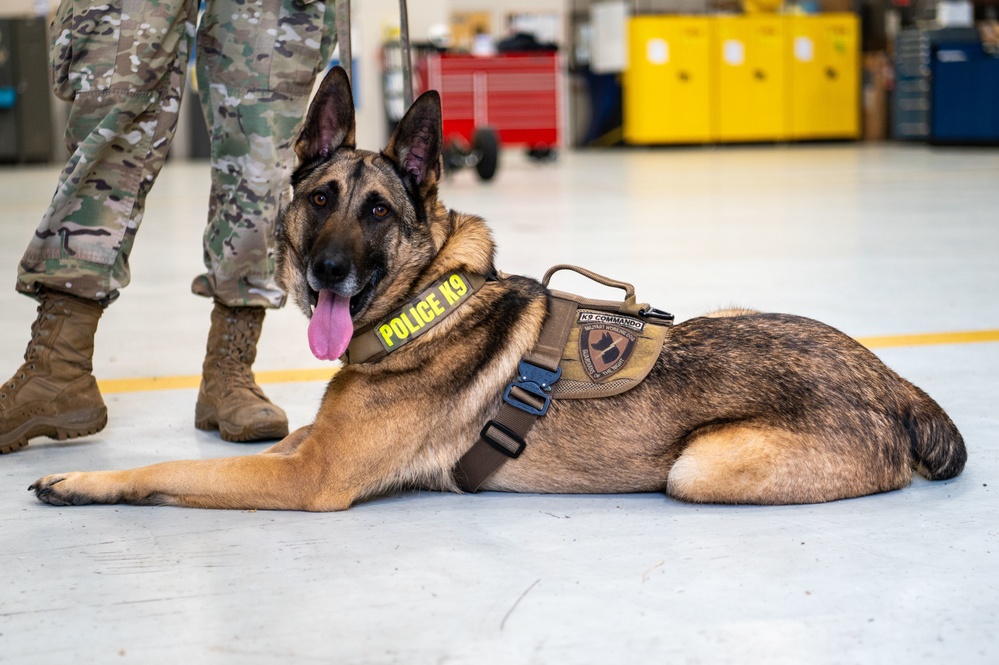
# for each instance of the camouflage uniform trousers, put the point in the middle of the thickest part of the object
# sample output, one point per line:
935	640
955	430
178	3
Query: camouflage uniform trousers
122	63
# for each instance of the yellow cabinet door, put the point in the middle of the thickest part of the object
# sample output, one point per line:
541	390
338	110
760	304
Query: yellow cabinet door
824	52
752	79
667	86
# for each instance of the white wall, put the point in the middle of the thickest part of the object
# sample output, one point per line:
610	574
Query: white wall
21	8
372	18
500	9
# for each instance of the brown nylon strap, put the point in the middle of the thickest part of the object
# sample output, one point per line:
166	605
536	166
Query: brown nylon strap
476	465
522	395
629	290
548	351
364	347
483	459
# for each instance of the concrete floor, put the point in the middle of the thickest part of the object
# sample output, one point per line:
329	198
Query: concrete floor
878	241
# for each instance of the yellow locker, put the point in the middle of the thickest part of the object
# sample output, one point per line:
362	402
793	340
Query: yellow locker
667	87
752	79
825	76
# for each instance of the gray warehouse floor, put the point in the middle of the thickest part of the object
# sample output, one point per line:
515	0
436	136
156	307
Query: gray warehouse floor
890	244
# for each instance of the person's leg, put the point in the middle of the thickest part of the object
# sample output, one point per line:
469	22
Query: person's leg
122	64
257	62
256	65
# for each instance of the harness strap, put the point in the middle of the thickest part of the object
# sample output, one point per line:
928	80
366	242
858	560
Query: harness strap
547	351
526	399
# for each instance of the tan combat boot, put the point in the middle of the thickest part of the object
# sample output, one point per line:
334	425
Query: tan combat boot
54	393
229	400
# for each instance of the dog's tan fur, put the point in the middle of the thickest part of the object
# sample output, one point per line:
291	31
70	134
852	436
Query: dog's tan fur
741	407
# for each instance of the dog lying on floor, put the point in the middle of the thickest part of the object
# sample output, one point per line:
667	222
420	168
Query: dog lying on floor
741	407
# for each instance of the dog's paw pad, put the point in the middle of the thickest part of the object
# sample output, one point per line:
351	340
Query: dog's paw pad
57	491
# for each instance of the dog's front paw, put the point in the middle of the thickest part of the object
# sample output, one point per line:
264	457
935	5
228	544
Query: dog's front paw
62	489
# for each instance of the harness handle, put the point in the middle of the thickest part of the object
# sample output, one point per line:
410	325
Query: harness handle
629	290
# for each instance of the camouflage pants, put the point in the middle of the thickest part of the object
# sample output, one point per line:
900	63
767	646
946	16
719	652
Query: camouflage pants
122	63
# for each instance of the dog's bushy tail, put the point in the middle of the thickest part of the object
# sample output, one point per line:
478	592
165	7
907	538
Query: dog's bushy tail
937	446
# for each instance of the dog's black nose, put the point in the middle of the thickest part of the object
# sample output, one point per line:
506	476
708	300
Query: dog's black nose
331	267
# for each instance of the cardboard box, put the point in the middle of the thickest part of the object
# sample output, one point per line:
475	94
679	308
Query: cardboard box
829	6
878	75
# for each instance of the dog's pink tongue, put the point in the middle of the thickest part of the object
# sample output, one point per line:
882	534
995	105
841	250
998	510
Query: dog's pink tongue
330	328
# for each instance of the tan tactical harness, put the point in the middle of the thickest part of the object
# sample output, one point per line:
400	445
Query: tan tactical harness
583	344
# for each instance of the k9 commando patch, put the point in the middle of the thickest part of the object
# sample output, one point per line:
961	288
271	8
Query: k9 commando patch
606	342
607	353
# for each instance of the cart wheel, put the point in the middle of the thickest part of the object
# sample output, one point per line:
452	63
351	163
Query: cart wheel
542	153
486	144
452	158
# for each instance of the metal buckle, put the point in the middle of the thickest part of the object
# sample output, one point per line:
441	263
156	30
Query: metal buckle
653	313
513	454
535	380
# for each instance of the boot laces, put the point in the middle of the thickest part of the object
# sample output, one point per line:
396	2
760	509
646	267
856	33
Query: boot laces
239	349
40	329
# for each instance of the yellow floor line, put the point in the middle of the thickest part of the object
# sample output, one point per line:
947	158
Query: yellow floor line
110	386
924	339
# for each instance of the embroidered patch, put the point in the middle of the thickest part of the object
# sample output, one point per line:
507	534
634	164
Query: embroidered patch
424	312
588	316
605	348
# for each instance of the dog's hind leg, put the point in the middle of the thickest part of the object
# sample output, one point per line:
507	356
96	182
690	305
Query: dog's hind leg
745	463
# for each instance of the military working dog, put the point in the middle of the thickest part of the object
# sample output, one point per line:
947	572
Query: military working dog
740	407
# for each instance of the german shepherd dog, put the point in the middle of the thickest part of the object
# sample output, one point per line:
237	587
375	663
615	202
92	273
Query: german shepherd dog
740	407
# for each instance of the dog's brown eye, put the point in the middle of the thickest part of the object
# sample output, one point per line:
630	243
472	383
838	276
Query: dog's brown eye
380	211
319	199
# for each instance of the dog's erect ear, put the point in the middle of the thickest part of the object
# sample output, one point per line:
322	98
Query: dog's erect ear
416	144
330	122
